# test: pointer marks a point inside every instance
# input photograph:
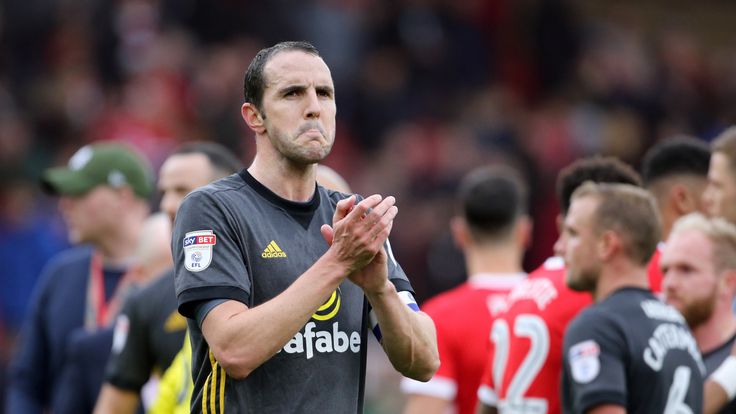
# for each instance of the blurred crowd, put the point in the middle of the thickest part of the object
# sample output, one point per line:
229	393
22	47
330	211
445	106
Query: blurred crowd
426	90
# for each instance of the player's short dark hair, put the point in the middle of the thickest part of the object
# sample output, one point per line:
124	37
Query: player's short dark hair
675	156
596	169
725	143
223	161
490	199
255	82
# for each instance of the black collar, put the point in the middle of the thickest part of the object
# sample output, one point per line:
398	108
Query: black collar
300	211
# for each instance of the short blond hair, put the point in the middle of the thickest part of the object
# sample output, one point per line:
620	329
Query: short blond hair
719	231
628	210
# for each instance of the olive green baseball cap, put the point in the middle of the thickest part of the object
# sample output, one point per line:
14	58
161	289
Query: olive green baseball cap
112	164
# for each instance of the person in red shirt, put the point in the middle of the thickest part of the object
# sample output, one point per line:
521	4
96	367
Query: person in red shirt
675	172
492	229
524	363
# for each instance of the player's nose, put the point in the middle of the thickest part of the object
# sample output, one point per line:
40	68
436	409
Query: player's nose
313	107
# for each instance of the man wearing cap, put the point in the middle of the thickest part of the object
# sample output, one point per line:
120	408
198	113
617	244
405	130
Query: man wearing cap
104	194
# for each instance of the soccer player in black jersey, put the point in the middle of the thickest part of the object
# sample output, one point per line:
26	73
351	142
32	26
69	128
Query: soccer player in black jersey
628	352
282	278
699	267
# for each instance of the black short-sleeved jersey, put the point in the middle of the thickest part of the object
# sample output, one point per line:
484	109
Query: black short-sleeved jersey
635	351
235	239
713	360
148	334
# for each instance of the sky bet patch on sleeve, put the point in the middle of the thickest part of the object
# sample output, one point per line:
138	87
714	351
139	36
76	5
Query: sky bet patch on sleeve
198	249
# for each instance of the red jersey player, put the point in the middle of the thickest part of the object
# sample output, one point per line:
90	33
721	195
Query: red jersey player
675	172
523	367
492	230
526	343
654	272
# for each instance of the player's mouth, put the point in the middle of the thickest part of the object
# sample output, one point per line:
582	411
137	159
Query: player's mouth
313	133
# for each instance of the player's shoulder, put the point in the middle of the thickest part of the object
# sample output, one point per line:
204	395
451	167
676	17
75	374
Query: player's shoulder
230	194
553	269
231	184
71	257
592	318
66	265
447	300
630	298
552	265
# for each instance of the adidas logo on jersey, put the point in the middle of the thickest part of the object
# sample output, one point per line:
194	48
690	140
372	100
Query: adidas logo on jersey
272	251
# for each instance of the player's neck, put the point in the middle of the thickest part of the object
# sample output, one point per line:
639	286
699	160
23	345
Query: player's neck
618	276
286	180
718	329
493	259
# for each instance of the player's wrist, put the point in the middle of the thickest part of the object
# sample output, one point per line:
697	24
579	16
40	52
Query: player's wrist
334	266
380	290
725	376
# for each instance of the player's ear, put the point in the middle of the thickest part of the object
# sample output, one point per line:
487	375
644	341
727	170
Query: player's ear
683	200
524	228
460	232
728	282
253	118
608	244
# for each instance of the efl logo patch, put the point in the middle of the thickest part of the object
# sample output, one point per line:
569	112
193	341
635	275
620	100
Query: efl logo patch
198	249
585	363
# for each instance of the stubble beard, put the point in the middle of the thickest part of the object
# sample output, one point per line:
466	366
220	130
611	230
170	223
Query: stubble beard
699	311
582	280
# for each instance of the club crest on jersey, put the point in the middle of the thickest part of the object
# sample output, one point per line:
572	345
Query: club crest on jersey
198	249
585	363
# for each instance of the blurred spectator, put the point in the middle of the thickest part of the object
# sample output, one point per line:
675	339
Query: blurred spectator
87	351
104	193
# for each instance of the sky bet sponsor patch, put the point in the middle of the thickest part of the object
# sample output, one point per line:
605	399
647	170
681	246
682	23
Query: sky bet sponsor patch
198	249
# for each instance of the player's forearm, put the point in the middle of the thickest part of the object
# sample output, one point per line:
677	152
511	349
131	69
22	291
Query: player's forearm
113	400
714	397
243	339
409	338
720	387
